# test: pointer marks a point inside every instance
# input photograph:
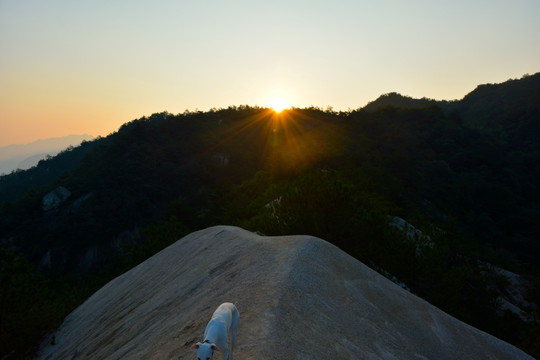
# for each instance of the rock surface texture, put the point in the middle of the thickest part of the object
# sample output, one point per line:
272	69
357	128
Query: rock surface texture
299	297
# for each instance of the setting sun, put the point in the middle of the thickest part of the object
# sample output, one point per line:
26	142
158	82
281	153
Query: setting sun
278	104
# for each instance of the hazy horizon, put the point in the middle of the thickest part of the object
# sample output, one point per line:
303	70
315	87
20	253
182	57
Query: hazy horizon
43	140
74	68
25	156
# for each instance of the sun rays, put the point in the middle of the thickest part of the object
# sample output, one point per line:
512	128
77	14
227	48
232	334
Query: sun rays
282	143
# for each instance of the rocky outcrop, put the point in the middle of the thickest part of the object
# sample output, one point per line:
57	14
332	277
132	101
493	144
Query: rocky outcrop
299	297
53	199
420	239
410	231
512	290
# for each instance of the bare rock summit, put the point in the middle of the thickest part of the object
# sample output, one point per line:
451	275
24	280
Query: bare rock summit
299	297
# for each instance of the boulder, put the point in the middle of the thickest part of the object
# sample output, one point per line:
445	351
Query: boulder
54	198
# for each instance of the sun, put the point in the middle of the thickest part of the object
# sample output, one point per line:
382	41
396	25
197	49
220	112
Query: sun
279	103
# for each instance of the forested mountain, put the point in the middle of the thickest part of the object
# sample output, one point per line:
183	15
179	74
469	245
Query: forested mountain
465	173
403	102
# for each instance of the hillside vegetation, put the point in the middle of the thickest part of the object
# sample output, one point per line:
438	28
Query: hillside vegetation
465	173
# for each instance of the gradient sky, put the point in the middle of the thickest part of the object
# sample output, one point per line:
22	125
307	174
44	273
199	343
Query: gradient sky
73	67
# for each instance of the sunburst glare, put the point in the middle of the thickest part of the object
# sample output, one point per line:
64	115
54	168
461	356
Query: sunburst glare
279	103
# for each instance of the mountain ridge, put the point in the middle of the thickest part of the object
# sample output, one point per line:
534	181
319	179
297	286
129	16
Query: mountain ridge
472	189
298	297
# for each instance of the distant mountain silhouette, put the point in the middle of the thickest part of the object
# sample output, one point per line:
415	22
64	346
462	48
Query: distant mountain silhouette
32	161
491	104
401	101
24	156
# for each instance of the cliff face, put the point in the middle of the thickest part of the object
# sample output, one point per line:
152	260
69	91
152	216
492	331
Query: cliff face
299	297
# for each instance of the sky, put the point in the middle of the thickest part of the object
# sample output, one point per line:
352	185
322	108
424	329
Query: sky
75	67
